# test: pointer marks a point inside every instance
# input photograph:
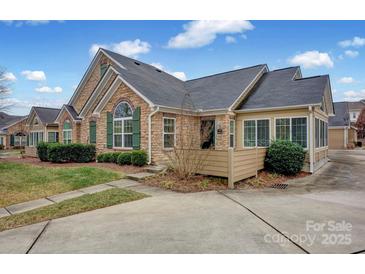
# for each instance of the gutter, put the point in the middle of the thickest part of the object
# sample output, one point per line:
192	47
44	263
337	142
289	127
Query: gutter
150	134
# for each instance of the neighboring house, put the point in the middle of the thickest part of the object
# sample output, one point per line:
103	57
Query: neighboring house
12	130
342	134
355	109
123	104
41	127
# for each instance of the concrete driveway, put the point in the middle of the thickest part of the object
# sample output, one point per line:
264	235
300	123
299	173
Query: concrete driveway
299	219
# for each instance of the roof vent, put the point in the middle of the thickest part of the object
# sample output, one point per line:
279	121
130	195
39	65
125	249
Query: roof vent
137	63
158	70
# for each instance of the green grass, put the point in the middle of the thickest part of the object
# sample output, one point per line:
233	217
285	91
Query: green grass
24	182
73	206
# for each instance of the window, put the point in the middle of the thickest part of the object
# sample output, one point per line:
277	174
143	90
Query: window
354	115
169	132
321	131
35	137
52	137
283	129
67	132
299	131
292	129
256	133
231	132
1	141
317	132
123	126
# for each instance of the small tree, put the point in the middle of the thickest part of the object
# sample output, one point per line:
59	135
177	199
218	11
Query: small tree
4	88
360	125
187	158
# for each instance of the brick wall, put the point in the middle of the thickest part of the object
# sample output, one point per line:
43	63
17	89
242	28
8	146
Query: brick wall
75	128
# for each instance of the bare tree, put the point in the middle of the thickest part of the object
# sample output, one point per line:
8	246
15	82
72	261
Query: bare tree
360	125
4	88
187	158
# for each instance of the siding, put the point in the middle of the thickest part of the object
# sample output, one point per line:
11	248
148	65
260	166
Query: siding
247	162
336	138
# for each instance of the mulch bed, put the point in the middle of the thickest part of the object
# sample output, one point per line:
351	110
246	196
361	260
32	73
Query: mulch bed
200	183
195	183
110	166
267	179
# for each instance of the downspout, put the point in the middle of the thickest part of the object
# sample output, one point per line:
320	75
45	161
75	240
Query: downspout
150	134
311	138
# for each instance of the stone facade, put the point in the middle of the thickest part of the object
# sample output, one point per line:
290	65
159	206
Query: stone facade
18	128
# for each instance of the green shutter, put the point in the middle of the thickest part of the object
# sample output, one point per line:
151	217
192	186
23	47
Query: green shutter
92	132
137	128
12	140
109	130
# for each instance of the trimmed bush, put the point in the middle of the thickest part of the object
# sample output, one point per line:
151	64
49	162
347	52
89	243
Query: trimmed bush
42	149
78	153
138	157
100	158
285	157
114	157
125	158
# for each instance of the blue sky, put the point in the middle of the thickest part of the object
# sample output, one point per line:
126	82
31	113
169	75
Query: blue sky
45	60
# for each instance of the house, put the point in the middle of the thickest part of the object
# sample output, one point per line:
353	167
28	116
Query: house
41	126
354	109
342	133
123	104
12	130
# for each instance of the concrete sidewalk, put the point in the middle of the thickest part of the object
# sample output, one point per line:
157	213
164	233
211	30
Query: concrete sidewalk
26	206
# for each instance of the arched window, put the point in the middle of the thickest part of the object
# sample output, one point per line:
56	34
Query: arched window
122	121
67	132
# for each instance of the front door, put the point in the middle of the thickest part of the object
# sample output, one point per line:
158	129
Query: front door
207	134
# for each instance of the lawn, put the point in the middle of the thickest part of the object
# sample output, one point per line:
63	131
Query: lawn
24	182
73	206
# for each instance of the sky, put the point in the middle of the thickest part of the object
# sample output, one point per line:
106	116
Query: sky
45	60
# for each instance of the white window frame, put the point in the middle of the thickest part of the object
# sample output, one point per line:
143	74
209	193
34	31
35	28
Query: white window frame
325	141
53	131
35	132
123	119
243	132
69	131
234	133
163	132
290	119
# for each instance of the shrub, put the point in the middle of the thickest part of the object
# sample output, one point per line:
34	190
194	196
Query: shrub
1	147
138	158
42	151
100	158
108	157
79	153
114	157
285	157
125	158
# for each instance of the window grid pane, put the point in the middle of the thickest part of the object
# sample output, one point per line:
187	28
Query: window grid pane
128	140
128	126
118	140
168	140
283	129
249	133
299	131
169	125
263	133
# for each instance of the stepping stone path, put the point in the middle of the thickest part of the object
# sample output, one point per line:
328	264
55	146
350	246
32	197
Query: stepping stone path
131	181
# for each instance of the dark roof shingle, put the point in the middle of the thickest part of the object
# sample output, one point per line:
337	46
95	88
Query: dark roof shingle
342	117
46	115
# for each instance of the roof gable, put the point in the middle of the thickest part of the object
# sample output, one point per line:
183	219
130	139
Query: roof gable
342	117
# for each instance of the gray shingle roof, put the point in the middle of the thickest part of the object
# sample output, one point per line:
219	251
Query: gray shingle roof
278	89
46	115
221	90
211	92
342	117
73	112
7	119
356	105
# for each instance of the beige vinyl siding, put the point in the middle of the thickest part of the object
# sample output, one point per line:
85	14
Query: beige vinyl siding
215	163
246	162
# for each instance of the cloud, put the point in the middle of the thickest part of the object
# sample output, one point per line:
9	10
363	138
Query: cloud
27	104
35	75
128	48
312	59
351	95
8	76
354	42
346	80
230	39
351	53
201	33
19	23
237	67
46	89
178	74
